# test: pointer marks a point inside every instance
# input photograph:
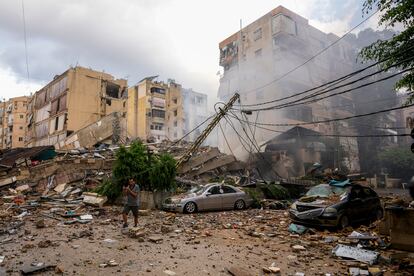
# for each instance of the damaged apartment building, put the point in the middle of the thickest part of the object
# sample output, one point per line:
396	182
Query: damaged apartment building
82	107
264	51
160	110
13	122
72	101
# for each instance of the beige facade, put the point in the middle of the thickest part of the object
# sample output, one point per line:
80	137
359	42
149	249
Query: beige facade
264	51
71	101
13	122
155	110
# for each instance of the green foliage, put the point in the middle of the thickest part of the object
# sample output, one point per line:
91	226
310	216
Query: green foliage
255	195
150	172
162	173
275	191
108	189
399	162
400	48
132	162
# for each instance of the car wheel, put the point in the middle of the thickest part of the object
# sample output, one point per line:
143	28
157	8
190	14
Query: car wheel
239	204
190	207
343	222
379	214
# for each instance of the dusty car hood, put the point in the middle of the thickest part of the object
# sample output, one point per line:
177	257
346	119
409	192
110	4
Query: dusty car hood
183	196
321	201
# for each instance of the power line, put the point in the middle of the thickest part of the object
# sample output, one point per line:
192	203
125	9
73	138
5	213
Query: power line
25	42
298	102
338	80
338	119
316	55
188	133
224	135
336	135
257	147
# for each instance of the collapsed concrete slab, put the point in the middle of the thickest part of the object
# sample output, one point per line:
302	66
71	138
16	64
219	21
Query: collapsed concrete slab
94	199
111	127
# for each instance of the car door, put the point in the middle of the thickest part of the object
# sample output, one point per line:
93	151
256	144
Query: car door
371	202
357	207
229	197
212	198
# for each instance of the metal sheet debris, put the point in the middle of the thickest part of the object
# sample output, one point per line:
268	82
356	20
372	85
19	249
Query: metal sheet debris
362	255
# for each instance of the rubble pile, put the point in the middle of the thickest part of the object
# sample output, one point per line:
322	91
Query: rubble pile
51	223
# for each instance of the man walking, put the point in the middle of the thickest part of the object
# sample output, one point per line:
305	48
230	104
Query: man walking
131	198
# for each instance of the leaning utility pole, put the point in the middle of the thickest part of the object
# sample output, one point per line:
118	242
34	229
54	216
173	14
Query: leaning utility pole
200	139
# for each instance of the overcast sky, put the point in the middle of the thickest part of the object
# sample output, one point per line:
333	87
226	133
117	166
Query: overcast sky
133	39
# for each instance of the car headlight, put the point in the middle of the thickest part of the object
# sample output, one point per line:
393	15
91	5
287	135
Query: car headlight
293	206
330	212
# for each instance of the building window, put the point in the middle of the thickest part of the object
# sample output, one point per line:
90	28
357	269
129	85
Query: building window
56	123
157	90
158	113
20	127
20	139
21	116
156	126
175	101
175	113
175	123
257	34
283	23
258	53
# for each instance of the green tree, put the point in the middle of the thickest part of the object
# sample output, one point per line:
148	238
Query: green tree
162	173
151	172
400	48
399	162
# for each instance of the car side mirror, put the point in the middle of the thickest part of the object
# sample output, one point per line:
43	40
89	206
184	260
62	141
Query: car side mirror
208	194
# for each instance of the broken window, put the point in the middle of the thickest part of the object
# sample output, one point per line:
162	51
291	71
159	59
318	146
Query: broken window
158	113
56	123
228	55
157	90
257	34
283	23
175	100
112	90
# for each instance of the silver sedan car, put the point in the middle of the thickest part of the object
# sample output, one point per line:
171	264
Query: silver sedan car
213	196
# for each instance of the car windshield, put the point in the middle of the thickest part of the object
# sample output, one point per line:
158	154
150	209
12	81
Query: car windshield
197	190
325	190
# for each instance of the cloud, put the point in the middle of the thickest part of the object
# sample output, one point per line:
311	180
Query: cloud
176	39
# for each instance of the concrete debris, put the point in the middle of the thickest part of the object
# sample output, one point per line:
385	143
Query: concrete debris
94	199
362	255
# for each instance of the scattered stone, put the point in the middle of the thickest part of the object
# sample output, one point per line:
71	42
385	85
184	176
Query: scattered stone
170	272
237	271
298	248
40	223
155	239
375	271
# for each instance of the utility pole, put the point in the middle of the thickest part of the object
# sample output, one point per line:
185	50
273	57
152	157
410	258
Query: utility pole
200	139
